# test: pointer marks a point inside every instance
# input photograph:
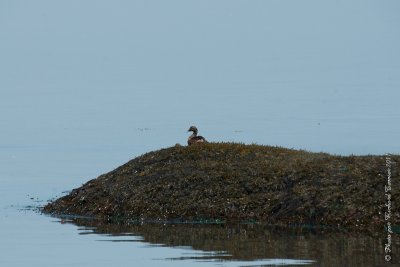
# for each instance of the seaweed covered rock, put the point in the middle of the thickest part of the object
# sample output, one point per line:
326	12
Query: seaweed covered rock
229	181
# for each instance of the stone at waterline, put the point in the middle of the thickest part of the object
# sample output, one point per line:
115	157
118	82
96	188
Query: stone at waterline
229	181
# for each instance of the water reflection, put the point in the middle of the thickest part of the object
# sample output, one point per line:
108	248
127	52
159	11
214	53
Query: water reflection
247	244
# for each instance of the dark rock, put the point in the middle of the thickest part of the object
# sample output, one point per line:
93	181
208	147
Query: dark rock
227	181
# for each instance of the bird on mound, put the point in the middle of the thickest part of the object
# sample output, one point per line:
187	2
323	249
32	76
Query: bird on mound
194	139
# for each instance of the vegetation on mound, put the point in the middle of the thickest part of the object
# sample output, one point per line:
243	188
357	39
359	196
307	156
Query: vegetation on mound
228	181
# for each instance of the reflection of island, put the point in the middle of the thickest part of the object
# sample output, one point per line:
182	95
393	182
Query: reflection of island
255	242
236	182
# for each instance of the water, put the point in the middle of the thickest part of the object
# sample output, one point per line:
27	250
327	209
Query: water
86	86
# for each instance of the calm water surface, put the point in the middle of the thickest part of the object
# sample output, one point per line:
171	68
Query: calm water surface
86	86
29	238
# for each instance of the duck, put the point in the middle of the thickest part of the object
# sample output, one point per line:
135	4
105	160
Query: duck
194	139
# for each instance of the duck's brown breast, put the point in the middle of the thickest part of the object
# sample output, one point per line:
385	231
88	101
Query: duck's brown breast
196	139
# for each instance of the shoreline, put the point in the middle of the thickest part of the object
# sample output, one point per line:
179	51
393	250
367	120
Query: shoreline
237	182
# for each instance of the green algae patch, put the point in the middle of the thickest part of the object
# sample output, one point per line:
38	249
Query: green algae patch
236	182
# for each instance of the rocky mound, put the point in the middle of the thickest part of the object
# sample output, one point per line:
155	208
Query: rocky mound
227	181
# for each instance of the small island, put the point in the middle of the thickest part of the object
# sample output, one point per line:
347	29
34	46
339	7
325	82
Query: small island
226	182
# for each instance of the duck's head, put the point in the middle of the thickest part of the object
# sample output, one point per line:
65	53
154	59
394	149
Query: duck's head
192	129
